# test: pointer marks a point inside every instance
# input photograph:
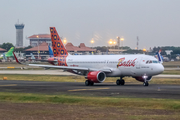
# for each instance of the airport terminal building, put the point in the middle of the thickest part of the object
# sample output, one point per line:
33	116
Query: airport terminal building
44	51
2	50
34	39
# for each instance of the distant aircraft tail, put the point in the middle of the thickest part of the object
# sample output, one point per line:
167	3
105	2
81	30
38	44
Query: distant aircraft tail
32	56
58	47
4	56
10	52
159	57
50	52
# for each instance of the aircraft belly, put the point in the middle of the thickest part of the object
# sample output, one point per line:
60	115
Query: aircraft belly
114	73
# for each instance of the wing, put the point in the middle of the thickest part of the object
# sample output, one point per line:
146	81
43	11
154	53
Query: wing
64	67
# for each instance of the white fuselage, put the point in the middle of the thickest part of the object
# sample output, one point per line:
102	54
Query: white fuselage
120	65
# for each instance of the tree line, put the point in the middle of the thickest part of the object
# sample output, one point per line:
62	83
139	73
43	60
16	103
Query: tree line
8	45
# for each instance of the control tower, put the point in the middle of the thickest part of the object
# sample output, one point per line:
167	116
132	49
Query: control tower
19	35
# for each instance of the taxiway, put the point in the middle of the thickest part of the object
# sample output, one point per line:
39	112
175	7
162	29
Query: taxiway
104	89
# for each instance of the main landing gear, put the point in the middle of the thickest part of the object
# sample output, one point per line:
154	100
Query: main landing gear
89	83
120	81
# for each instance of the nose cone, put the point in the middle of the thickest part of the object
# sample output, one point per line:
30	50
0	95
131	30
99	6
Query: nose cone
160	68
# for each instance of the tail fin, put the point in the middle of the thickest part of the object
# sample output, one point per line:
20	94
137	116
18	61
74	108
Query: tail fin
32	56
10	52
4	56
58	47
50	52
159	57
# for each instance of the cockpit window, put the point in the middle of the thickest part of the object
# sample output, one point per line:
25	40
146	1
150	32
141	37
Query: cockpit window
152	61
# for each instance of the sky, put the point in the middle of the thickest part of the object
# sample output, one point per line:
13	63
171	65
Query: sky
155	22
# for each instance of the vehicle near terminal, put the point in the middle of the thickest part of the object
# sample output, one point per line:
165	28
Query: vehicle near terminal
96	68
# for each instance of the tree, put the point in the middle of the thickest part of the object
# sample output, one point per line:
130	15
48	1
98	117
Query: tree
22	50
6	46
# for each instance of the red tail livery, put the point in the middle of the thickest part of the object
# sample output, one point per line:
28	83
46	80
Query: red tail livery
60	52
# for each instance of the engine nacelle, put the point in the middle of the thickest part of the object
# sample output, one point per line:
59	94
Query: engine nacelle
141	79
96	76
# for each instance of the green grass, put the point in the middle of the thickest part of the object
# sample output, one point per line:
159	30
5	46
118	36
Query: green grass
52	78
145	103
173	72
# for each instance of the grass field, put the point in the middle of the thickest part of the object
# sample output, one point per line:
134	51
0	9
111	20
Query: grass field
25	106
168	104
34	106
171	64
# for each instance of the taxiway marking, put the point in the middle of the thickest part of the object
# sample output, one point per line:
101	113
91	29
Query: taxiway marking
87	89
8	85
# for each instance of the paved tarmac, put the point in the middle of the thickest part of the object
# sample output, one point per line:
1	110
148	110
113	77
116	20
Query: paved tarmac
103	89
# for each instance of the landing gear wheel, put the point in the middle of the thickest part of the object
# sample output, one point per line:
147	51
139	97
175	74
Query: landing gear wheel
122	82
91	83
87	82
145	83
118	82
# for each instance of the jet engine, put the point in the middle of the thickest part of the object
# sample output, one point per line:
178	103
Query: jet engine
141	79
96	76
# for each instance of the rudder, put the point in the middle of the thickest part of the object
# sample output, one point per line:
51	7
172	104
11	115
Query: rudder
58	47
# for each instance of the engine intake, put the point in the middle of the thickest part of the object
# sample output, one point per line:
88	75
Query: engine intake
96	76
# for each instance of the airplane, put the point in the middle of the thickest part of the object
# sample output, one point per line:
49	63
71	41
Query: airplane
96	68
50	51
8	54
50	55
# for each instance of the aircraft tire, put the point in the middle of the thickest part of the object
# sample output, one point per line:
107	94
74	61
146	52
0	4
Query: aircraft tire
145	83
118	82
87	82
122	82
91	83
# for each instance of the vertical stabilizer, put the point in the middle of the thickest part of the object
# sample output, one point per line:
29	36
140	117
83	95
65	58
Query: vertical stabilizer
50	52
58	47
60	52
4	56
159	57
10	52
32	56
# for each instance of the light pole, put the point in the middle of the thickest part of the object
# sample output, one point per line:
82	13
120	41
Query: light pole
144	50
118	41
92	41
114	42
110	42
38	45
64	41
122	39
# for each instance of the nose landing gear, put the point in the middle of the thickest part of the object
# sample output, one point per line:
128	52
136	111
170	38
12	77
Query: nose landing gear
145	80
146	83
